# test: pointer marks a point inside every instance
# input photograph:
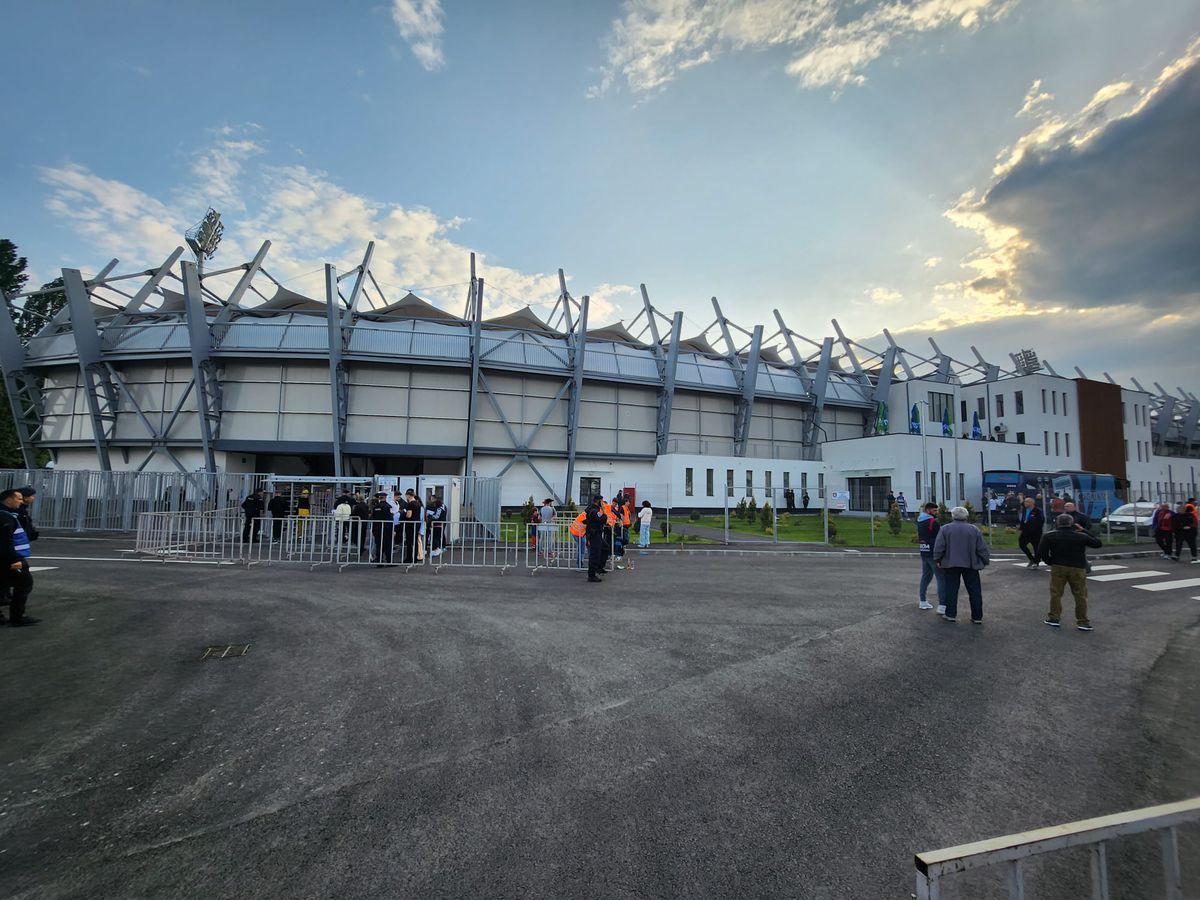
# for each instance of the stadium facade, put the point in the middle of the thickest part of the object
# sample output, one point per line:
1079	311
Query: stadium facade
230	371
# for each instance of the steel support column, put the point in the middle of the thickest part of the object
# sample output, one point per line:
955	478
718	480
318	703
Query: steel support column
817	412
578	343
667	362
744	414
24	395
338	388
475	306
204	374
98	390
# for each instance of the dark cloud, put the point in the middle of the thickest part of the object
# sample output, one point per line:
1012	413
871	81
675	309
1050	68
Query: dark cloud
1117	220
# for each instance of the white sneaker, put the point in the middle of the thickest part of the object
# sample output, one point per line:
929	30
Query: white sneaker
924	605
436	553
941	610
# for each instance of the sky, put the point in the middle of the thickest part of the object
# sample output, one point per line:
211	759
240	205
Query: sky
1004	174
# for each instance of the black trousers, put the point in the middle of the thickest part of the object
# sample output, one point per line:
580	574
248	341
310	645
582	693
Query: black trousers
20	581
383	535
277	529
597	555
254	525
1028	542
1165	541
435	536
1185	538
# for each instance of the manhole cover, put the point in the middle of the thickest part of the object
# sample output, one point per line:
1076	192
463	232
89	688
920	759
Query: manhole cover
225	651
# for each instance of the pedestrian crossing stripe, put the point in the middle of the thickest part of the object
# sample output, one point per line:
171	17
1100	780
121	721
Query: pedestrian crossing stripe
42	568
1169	585
1126	576
1107	568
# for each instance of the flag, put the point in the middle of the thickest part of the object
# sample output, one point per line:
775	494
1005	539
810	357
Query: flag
946	430
976	431
914	421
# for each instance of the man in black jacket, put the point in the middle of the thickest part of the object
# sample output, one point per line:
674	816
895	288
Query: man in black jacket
1030	537
278	508
14	558
596	525
1065	549
252	506
360	512
25	513
1183	522
382	530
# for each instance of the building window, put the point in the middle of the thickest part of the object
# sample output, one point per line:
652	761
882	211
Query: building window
1127	451
1019	399
708	483
1054	402
982	408
940	406
821	485
1064	403
933	486
1002	437
1020	437
917	482
1046	442
1043	401
962	408
1124	413
962	486
749	483
1139	450
947	495
767	482
999	406
1067	444
1056	445
787	480
729	482
687	482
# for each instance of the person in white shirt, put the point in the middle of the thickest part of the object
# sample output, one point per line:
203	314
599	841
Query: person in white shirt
645	515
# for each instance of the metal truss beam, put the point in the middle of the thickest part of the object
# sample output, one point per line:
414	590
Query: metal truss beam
99	392
220	325
667	361
339	388
204	373
816	415
475	307
139	299
578	343
24	394
798	365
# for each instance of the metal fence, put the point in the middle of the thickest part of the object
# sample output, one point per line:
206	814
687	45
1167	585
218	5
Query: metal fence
1010	851
113	501
226	535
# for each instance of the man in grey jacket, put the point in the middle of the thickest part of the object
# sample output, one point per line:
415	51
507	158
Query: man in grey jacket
960	553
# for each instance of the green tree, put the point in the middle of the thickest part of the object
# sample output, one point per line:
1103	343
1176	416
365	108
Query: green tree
893	519
943	513
12	282
766	518
37	311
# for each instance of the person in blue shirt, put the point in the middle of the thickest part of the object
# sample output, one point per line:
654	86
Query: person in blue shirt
927	531
14	558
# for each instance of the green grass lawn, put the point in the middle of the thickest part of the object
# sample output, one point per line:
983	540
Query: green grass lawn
855	531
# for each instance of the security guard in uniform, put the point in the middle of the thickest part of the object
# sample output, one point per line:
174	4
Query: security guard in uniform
596	524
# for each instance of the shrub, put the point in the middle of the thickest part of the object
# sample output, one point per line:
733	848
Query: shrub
662	526
751	510
943	513
694	515
832	525
740	510
766	517
527	510
893	519
569	506
970	510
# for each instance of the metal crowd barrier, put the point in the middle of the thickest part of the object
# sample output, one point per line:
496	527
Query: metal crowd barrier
226	536
1013	849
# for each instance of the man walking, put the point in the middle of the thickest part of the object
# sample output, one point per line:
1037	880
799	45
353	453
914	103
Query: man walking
927	532
1065	549
1162	529
902	503
1030	536
14	559
545	530
435	517
252	506
960	553
278	508
1183	521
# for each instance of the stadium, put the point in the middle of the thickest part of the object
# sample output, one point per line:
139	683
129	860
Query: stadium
176	369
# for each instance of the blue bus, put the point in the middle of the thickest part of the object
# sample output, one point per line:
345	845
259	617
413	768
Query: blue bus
1094	494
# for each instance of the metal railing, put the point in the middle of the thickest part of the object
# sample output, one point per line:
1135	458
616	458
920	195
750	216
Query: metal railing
226	535
1011	850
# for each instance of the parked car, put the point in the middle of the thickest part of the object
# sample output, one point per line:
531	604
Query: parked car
1125	517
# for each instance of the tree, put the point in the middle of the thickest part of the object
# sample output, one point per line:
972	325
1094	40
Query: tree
12	282
12	268
893	519
38	310
766	517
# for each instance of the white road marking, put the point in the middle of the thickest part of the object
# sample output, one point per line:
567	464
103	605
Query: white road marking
1169	585
126	559
1125	576
42	568
1107	568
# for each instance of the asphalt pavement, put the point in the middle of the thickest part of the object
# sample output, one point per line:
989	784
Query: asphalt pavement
699	726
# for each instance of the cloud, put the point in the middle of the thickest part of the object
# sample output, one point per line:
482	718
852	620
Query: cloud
1099	208
310	220
1035	100
216	169
833	41
933	262
420	24
884	296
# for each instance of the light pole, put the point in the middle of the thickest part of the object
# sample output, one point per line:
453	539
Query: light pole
925	447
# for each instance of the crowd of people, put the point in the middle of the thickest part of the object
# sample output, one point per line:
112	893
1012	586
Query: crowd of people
388	528
17	533
955	553
600	532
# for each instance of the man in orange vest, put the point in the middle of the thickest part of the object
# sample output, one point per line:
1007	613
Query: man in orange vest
579	532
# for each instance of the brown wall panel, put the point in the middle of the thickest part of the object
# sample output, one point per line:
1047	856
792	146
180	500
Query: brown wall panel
1101	434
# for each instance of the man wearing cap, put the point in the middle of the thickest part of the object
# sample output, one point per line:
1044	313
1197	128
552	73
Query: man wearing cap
25	513
596	525
382	529
14	558
252	506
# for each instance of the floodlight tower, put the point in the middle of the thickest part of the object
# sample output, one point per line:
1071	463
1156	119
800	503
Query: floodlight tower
204	236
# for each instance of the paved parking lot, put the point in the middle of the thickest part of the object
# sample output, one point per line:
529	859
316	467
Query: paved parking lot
703	726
